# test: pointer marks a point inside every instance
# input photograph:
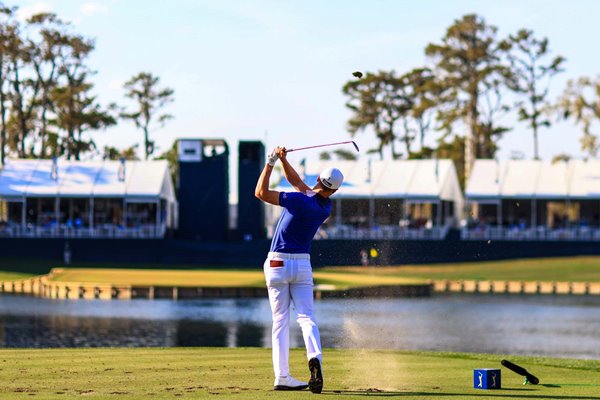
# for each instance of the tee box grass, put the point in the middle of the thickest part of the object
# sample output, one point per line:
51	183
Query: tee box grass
246	373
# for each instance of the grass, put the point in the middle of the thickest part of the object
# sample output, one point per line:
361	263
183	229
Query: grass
213	278
547	269
574	269
11	276
141	277
201	373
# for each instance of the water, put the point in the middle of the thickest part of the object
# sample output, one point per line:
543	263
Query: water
558	326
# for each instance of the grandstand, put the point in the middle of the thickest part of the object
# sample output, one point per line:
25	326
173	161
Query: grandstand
513	200
86	199
400	199
410	211
533	200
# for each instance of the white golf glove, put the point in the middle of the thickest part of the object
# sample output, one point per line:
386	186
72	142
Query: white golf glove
272	158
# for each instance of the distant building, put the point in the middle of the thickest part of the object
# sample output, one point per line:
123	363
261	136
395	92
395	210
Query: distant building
400	199
533	200
96	199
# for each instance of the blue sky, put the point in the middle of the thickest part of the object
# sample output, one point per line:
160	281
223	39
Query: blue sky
273	70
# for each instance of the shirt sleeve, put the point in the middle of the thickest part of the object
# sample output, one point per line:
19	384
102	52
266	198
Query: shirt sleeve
293	201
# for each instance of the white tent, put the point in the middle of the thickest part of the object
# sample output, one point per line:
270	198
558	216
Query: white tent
541	189
128	181
585	180
492	180
526	179
131	179
409	181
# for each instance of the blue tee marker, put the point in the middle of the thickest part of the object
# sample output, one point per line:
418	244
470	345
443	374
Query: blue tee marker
486	378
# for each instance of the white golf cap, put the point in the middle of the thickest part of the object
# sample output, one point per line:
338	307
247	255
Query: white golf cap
331	178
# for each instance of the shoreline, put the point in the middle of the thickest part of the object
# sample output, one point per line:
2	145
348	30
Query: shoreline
43	286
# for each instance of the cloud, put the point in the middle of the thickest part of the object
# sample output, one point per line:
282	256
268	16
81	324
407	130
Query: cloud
92	8
36	8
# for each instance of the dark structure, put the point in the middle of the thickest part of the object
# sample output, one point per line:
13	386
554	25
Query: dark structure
203	189
188	253
251	211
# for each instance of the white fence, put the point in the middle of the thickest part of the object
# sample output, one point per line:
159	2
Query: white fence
98	232
539	233
384	232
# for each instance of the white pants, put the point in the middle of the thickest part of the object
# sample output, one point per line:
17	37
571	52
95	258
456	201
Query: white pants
290	281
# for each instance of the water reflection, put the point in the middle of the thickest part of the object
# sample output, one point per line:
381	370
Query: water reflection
559	326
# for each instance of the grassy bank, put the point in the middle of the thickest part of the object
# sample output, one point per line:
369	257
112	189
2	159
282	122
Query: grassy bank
575	269
215	278
246	374
545	269
11	276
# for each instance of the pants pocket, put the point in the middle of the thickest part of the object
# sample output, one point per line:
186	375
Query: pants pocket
275	271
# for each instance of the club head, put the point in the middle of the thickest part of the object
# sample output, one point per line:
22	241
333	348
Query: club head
355	146
357	74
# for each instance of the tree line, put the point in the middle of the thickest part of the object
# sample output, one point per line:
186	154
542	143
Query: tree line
473	81
47	104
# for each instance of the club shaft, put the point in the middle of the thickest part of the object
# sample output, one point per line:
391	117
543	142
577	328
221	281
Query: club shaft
323	145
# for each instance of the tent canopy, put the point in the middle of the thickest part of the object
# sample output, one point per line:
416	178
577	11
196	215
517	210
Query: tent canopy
493	179
406	179
134	180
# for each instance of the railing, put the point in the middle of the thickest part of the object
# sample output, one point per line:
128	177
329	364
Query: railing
384	232
539	233
100	232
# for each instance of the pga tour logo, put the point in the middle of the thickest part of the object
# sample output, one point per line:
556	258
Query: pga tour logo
493	383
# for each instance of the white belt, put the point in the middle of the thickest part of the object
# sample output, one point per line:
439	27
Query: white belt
289	256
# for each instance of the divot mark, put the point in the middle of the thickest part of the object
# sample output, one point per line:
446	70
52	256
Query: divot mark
24	390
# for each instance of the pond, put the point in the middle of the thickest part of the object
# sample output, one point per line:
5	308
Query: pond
557	326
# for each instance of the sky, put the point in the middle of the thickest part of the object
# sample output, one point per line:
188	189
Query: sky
273	70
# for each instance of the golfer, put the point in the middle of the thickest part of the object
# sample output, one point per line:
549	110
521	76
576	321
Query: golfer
288	271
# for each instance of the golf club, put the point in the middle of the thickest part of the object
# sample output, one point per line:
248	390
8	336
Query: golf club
324	145
529	378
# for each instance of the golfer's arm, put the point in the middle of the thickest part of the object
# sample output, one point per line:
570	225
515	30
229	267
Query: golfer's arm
292	176
262	190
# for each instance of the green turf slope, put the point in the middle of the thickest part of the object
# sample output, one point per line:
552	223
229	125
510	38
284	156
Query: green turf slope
567	269
203	373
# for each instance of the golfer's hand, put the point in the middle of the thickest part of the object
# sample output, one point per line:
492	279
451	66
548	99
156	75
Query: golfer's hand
282	153
273	157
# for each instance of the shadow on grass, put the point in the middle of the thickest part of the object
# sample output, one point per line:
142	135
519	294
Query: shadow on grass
501	393
557	385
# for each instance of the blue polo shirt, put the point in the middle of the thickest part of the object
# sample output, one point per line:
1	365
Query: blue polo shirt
301	218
